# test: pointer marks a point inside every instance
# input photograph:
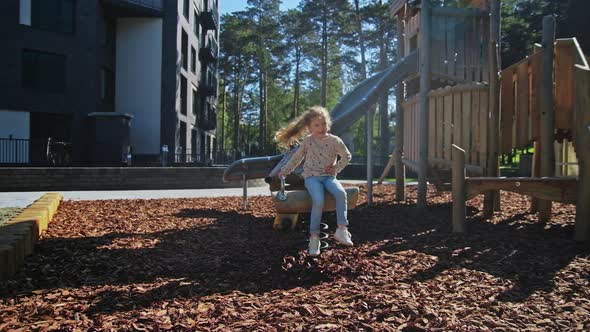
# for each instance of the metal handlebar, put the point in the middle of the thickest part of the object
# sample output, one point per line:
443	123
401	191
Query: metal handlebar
282	195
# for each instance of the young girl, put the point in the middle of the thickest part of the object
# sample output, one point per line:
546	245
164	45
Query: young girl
320	150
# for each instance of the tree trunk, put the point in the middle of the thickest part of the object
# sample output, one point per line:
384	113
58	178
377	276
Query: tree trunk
324	84
262	117
296	87
264	133
236	142
363	56
221	142
361	40
383	101
261	83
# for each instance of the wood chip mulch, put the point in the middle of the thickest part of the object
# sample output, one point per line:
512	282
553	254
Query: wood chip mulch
204	264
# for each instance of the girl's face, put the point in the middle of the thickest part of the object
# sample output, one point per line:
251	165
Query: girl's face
318	127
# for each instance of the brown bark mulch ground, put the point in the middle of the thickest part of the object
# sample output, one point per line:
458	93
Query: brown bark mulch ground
203	264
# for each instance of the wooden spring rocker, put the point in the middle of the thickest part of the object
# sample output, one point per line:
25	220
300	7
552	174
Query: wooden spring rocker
290	204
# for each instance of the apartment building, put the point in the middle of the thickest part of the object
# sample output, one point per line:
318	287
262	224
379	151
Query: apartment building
109	77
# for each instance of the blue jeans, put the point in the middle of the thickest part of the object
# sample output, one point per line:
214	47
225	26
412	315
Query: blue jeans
315	186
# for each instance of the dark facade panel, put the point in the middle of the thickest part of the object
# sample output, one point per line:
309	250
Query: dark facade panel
61	65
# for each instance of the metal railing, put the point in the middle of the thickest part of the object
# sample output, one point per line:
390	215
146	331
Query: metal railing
34	152
209	50
210	18
206	158
209	83
208	119
14	150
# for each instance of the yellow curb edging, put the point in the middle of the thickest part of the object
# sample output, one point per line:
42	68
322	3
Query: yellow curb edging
20	234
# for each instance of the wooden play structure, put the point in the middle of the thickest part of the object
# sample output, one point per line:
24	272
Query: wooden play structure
540	110
458	113
447	101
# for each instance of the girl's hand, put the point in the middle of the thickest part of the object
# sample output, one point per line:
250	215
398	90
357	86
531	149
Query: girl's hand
282	175
331	169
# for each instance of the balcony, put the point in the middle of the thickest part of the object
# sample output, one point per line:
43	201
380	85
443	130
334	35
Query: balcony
208	53
134	8
208	85
209	121
210	18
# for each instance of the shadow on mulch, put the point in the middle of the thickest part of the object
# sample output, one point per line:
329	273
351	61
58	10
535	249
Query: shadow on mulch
529	253
234	250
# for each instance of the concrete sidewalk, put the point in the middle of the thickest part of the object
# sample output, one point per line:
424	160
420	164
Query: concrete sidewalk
24	199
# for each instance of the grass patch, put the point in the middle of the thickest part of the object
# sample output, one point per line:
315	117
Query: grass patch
7	213
513	160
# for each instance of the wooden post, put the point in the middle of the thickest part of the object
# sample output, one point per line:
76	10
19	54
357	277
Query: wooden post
400	168
222	145
387	168
535	171
425	74
547	112
459	194
245	191
582	141
492	198
369	123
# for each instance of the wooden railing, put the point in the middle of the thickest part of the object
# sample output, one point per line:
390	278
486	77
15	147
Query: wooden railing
457	115
412	26
520	91
459	44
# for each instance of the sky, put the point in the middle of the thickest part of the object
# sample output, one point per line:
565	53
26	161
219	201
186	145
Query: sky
228	6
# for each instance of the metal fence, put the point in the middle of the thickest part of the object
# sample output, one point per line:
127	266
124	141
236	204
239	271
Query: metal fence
14	151
203	159
34	152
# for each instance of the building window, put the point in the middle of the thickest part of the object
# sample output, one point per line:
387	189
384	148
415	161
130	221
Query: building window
44	71
183	99
195	105
196	23
51	15
186	9
193	151
193	59
109	33
107	87
182	141
184	49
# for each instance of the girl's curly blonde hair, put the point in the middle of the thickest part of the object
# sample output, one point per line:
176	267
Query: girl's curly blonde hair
290	135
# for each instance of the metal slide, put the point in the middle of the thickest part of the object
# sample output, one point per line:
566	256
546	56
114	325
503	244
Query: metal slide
349	110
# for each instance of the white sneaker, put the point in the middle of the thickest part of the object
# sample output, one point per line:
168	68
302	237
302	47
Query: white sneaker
314	245
343	236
